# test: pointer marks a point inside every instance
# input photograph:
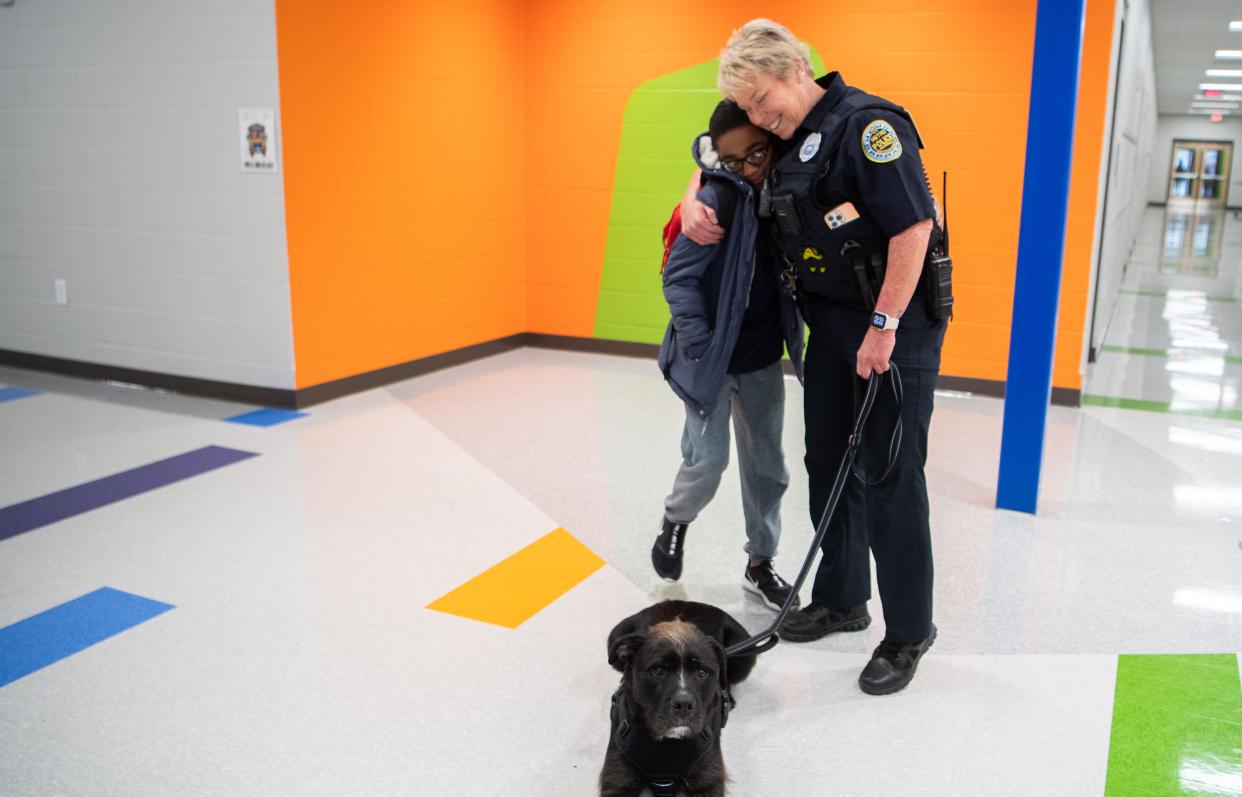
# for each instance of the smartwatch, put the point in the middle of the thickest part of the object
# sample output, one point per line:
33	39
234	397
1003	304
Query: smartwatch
883	322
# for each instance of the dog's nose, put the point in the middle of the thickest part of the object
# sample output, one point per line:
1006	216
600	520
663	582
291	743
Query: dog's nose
683	704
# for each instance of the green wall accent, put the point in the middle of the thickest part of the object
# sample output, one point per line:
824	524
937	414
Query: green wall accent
654	164
1177	726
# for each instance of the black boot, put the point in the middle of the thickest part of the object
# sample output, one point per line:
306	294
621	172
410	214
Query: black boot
892	665
815	621
666	553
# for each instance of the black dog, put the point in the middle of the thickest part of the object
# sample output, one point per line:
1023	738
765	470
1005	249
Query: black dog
673	700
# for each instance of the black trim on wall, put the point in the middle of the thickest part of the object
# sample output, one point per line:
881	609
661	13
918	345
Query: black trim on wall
621	348
1061	396
327	391
210	388
290	399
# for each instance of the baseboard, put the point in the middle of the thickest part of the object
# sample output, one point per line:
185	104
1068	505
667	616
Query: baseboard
209	388
623	348
1061	396
316	394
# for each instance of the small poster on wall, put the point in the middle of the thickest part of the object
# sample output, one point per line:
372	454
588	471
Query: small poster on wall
258	139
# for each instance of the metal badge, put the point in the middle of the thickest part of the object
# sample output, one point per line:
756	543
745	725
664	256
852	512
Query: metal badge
809	147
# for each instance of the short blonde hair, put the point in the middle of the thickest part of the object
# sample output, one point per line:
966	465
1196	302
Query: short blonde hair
760	46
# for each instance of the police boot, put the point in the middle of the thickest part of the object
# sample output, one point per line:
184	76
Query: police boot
892	665
666	553
816	621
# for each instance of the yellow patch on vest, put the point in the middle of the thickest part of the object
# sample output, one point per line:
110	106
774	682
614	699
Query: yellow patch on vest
880	142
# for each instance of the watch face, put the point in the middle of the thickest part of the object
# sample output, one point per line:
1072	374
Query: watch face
878	320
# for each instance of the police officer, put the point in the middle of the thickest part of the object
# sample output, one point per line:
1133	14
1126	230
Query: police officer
853	217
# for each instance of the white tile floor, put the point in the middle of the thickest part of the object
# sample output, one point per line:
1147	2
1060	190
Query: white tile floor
300	659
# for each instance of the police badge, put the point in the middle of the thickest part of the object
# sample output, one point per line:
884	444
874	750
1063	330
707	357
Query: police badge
809	147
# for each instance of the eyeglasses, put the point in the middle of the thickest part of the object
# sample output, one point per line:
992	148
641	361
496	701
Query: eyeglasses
734	165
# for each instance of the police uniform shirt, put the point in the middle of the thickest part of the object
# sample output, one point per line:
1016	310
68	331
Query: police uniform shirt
877	166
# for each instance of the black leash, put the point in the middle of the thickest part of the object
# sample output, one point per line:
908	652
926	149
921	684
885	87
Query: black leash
766	640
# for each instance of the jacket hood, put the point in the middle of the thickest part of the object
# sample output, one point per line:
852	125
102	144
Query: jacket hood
705	156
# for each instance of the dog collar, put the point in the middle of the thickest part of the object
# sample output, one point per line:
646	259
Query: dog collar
662	763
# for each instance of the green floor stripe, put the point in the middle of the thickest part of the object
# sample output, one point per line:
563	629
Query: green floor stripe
1164	294
1177	726
1166	353
1158	406
1131	350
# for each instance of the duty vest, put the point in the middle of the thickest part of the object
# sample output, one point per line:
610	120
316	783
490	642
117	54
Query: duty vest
823	249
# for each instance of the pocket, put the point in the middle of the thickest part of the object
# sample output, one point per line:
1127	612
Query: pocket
698	350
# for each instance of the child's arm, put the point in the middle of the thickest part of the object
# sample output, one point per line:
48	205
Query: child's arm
698	221
687	263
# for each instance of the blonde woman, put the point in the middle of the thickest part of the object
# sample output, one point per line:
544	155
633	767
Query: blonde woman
853	219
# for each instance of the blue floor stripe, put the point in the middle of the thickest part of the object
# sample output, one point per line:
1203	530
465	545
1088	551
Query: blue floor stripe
46	638
268	416
29	515
11	393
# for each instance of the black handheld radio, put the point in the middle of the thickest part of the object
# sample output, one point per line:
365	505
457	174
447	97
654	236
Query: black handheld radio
938	269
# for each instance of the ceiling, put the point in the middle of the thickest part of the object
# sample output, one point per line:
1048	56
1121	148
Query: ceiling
1185	36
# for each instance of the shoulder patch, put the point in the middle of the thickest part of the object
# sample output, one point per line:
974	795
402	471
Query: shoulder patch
880	142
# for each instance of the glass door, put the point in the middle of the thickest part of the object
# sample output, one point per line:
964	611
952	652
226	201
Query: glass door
1212	174
1200	172
1181	183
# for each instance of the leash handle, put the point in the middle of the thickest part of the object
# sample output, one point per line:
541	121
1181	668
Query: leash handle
894	442
767	639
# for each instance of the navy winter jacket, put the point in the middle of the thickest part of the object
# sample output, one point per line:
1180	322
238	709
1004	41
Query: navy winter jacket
708	287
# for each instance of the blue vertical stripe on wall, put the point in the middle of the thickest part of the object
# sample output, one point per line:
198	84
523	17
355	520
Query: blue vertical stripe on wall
1041	248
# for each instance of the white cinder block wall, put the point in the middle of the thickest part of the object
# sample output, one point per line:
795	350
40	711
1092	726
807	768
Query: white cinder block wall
120	173
1133	138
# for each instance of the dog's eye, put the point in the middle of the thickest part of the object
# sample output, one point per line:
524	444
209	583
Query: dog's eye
703	672
657	669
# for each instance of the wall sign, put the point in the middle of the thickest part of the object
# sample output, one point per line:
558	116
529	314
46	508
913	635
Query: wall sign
258	139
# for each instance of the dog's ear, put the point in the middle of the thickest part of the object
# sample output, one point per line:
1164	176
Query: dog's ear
633	624
621	651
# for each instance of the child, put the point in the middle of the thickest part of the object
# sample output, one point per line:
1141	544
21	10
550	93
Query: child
721	355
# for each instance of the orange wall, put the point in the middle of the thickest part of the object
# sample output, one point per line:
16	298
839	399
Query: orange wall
403	132
1080	242
963	68
449	167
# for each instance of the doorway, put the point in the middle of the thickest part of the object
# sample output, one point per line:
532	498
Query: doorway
1199	172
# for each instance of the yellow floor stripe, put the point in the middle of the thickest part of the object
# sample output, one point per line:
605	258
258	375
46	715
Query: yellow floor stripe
515	590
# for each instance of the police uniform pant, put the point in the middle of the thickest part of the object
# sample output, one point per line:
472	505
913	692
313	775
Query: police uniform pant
889	519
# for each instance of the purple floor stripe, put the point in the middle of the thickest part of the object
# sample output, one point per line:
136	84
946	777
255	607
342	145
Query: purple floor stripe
38	512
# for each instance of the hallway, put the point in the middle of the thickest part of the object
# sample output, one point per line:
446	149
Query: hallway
1174	342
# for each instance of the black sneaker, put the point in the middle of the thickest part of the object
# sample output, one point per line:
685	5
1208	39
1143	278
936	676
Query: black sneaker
763	580
815	621
668	548
892	665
